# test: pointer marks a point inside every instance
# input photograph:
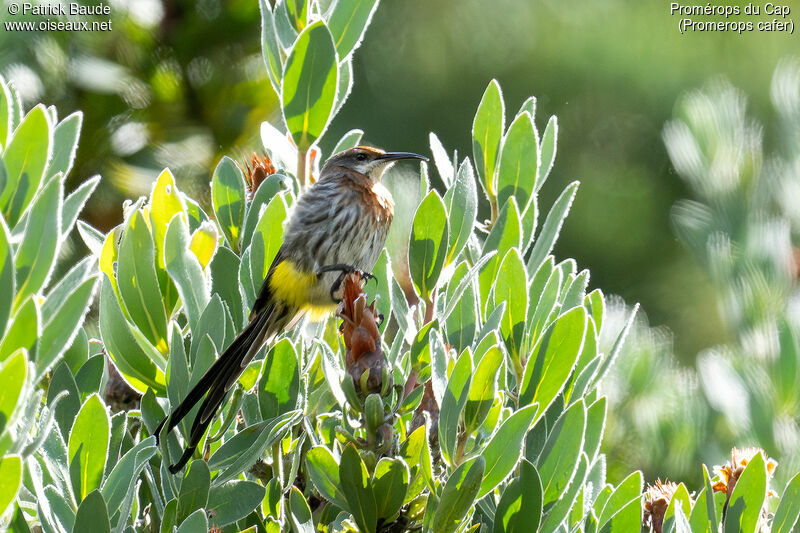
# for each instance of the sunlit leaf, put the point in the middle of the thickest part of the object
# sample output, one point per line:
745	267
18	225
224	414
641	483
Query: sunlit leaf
228	199
487	131
428	247
348	22
26	158
88	446
308	89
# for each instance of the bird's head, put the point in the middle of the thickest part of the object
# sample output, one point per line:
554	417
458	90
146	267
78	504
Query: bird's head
371	162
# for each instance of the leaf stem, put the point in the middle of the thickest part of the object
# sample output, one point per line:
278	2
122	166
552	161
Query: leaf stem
277	462
301	167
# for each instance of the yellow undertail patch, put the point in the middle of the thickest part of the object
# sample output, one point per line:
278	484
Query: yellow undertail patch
293	286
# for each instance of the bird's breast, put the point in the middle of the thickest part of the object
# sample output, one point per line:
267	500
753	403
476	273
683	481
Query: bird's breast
383	203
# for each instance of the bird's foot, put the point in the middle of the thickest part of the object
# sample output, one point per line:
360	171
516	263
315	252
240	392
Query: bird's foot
345	270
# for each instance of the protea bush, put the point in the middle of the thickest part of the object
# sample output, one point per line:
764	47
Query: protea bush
459	391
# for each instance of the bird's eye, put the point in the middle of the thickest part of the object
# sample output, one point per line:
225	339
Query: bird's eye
361	157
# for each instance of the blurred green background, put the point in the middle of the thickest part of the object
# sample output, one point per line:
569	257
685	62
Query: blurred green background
180	83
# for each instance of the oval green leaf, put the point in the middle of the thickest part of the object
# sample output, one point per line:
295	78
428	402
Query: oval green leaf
308	88
88	446
428	246
487	130
228	199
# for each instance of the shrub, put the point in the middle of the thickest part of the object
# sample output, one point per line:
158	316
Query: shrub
474	403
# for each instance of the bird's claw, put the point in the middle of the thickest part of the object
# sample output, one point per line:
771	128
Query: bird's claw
345	270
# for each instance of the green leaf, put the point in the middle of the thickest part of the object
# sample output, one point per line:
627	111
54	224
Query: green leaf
269	46
226	285
90	376
234	500
390	485
348	22
284	28
348	140
65	145
345	85
58	333
228	198
547	303
487	131
520	506
244	448
628	519
297	11
194	489
123	477
166	201
268	189
628	490
279	386
570	503
452	405
505	235
747	499
196	521
519	161
133	363
91	237
509	287
482	389
428	246
13	373
92	514
358	489
267	239
679	508
271	504
300	513
595	425
698	519
505	447
74	203
23	331
185	271
529	106
553	358
308	89
461	323
595	303
443	164
788	509
324	474
169	517
25	159
459	495
547	151
36	254
210	325
7	290
462	206
552	226
67	408
10	480
416	453
88	446
138	282
6	114
560	456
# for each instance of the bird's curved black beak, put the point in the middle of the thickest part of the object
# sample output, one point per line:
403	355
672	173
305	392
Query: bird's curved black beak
396	156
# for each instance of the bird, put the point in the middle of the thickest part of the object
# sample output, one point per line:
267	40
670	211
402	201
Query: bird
337	225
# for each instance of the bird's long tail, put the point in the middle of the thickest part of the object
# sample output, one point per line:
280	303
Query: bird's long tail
222	375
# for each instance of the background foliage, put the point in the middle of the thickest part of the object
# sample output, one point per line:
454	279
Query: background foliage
731	398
